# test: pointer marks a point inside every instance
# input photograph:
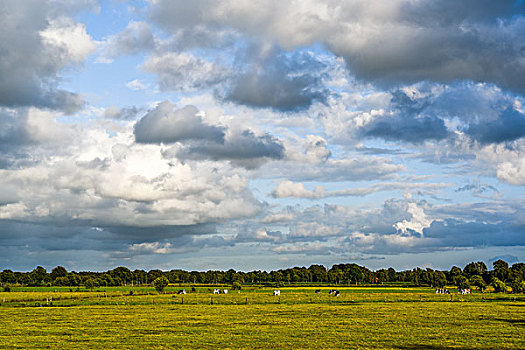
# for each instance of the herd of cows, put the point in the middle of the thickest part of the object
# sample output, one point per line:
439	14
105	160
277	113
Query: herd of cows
275	292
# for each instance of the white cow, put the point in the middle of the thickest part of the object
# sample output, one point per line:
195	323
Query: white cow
216	291
276	292
225	291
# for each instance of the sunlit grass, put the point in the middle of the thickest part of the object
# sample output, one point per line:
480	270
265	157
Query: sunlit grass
253	318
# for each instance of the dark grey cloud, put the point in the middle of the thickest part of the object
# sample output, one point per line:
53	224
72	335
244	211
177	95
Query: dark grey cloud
477	188
409	122
443	41
482	112
165	124
408	129
32	53
199	140
279	81
509	126
13	130
244	148
458	233
18	240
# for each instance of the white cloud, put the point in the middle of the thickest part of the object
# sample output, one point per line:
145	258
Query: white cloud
136	85
70	38
417	222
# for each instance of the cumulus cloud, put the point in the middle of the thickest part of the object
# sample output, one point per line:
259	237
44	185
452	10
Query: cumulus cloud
403	41
400	226
38	40
30	126
101	180
165	124
199	141
260	79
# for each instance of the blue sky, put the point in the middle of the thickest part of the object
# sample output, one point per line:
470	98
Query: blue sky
216	135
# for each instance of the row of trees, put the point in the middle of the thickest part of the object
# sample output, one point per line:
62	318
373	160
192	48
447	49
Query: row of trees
473	274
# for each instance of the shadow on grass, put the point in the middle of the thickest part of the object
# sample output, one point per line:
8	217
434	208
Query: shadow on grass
519	323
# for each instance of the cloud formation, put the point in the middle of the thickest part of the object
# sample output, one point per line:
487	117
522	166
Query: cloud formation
38	40
403	41
165	124
279	81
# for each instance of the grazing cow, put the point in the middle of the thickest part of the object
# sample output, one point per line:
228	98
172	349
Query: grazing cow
182	291
336	293
317	291
225	291
216	291
276	292
332	291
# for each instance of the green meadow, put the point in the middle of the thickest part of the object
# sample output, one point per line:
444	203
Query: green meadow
374	318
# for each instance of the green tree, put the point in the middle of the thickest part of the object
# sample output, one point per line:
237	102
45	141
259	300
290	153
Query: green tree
440	280
501	270
39	276
519	268
454	273
61	281
518	286
475	268
478	281
58	271
499	285
89	283
160	283
462	282
236	285
7	276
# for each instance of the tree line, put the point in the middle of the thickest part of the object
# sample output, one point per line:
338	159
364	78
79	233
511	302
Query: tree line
474	274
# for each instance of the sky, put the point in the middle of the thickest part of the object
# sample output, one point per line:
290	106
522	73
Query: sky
261	135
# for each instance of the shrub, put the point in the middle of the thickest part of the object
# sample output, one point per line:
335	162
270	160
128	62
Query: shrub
160	283
236	285
7	288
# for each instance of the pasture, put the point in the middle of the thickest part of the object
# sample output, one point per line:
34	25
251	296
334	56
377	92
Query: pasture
385	318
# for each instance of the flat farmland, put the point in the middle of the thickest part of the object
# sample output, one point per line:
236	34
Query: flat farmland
384	318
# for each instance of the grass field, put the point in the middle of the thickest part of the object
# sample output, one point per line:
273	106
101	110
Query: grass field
388	318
